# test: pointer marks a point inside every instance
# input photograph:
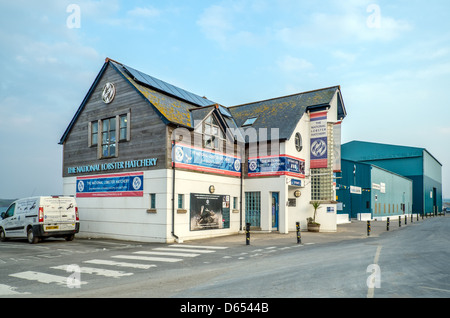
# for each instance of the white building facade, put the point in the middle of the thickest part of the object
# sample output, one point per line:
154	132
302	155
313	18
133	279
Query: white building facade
148	161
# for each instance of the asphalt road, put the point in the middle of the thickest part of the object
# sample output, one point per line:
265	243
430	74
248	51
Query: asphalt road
408	262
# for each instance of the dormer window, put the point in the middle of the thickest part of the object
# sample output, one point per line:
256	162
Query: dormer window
213	134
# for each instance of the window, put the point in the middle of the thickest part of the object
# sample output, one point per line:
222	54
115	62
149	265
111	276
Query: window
298	142
10	211
106	134
321	184
250	121
235	203
152	201
253	208
180	201
109	137
213	134
94	133
123	127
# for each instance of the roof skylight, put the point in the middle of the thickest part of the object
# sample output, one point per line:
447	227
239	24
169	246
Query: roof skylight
250	121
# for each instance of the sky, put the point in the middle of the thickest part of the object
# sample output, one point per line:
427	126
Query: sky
391	59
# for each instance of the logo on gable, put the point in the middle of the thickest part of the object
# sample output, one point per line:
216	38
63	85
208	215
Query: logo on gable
109	92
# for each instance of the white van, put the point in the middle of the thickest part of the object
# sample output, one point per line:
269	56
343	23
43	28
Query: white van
40	217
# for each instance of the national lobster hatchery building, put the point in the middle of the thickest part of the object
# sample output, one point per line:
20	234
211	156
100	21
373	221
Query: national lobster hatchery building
149	161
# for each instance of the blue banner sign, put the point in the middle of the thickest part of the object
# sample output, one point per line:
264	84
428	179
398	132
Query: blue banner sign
319	140
276	166
192	158
113	185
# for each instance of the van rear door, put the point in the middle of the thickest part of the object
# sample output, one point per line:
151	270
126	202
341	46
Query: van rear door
59	213
67	207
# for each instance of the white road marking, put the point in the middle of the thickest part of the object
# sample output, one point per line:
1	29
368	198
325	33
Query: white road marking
182	250
119	264
167	253
96	271
371	290
199	246
43	277
147	258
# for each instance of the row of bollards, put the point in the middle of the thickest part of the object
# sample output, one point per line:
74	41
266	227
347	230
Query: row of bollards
299	237
400	221
247	233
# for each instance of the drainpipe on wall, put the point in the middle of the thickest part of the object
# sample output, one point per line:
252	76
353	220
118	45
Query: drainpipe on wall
240	203
177	239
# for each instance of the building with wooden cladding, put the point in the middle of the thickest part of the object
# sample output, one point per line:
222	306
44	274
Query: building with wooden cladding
149	161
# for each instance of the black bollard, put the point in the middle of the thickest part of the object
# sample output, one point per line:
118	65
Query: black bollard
417	217
399	221
387	224
247	234
299	236
412	219
406	219
368	228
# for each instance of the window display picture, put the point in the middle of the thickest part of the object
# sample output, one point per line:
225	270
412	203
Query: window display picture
209	211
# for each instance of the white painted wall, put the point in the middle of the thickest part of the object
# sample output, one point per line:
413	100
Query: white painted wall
127	218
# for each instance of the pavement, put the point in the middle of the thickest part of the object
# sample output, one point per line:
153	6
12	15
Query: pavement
348	231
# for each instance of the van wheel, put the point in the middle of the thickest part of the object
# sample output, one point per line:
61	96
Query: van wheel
31	238
2	236
70	237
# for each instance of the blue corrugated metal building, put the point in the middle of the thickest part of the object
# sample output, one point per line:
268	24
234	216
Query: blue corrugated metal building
366	191
413	163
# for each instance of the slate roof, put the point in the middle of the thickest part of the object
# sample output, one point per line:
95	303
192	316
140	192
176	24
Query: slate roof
172	106
283	112
182	108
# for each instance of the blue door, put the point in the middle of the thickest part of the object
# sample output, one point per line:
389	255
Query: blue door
275	208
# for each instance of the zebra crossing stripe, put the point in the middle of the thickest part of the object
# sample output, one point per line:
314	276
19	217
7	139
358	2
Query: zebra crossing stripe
199	246
174	249
119	264
95	271
43	277
167	253
149	258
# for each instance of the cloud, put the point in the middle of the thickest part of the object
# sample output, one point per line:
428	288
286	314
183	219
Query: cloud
229	24
346	22
293	64
45	70
148	12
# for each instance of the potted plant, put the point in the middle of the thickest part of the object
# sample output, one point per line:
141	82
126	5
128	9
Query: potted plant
313	226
